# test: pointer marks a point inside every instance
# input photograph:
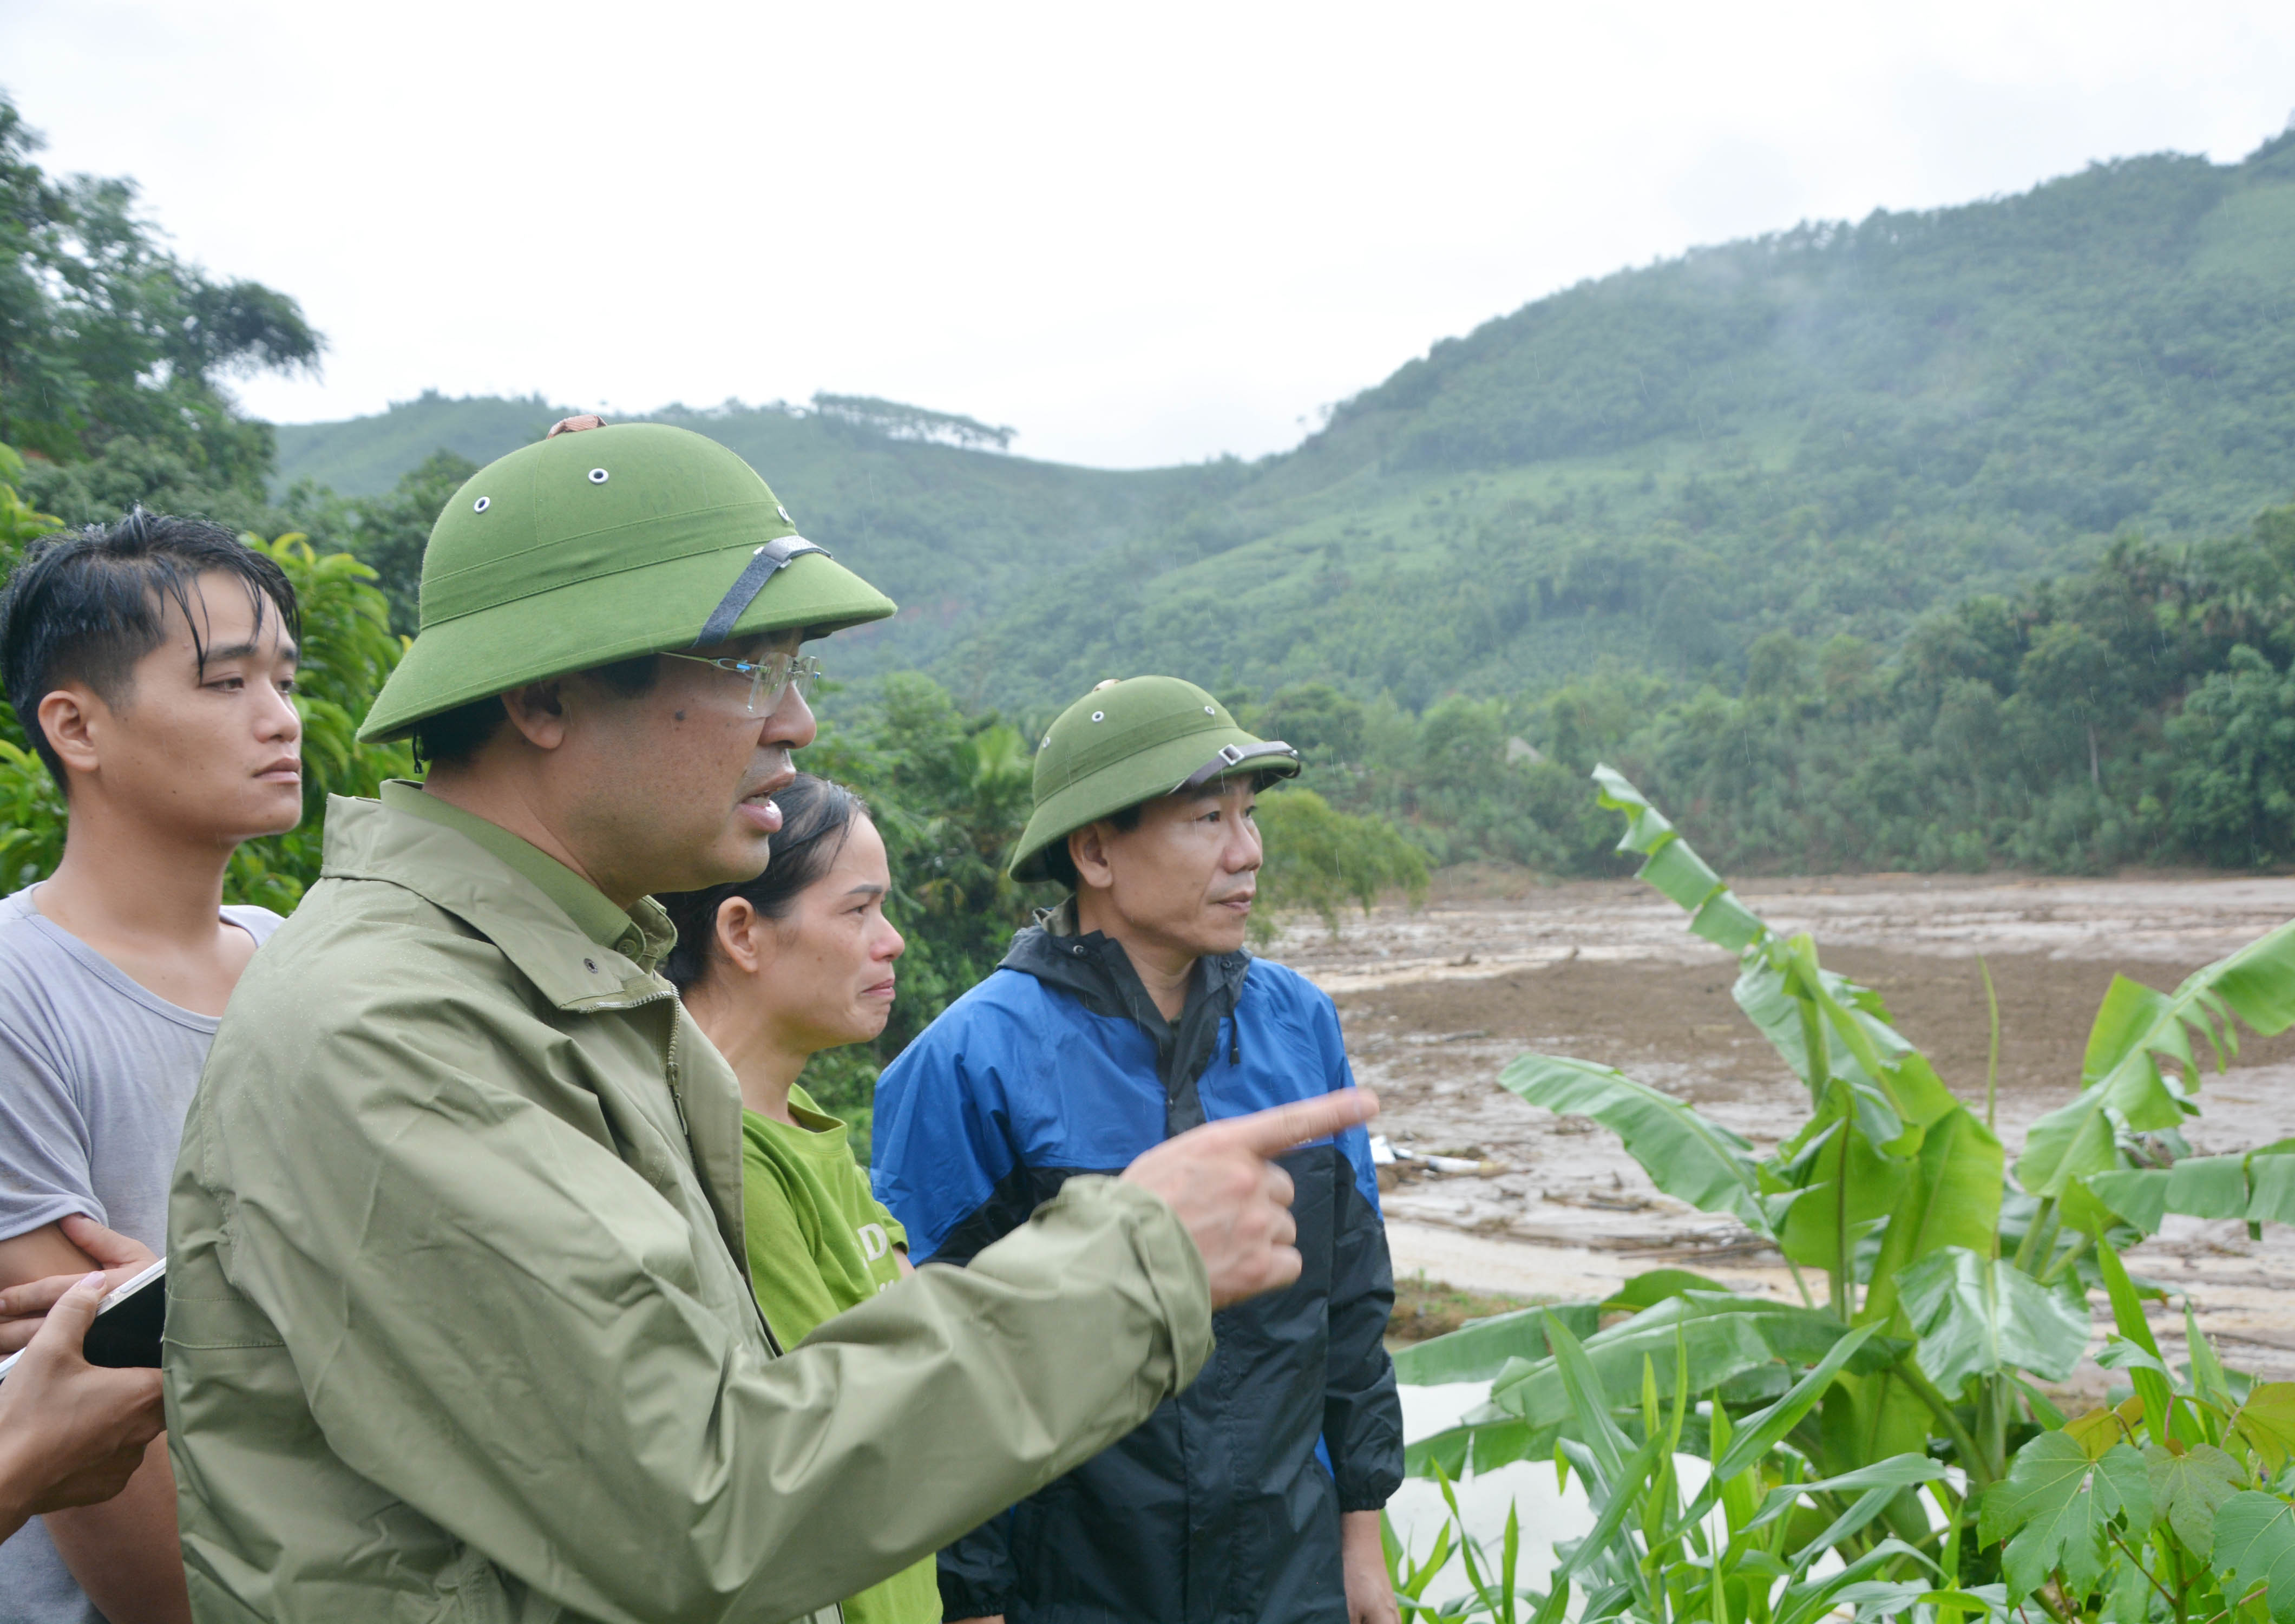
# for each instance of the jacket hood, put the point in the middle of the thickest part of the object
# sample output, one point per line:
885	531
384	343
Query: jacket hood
1093	968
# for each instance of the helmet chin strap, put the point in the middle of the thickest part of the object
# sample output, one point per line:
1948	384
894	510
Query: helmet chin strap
762	563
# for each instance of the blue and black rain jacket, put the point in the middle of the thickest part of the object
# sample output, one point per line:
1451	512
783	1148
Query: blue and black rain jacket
1224	1507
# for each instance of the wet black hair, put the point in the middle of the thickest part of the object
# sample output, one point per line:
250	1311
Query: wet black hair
455	736
817	818
84	606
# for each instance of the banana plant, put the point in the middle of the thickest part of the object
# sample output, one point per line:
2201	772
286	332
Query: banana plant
1890	1186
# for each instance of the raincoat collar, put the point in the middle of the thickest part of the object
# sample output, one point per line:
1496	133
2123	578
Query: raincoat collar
546	919
1093	968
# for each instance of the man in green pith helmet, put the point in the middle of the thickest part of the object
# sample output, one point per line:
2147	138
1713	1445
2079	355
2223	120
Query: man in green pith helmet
460	1323
1127	1015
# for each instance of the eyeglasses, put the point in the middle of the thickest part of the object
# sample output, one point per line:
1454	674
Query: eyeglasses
770	678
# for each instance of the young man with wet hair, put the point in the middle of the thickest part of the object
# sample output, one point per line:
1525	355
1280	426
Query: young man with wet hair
1129	1013
150	662
461	1323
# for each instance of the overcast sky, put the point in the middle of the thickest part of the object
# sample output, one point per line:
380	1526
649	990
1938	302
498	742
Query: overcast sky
1141	234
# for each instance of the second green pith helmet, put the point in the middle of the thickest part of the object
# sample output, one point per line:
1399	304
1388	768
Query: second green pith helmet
1127	742
599	546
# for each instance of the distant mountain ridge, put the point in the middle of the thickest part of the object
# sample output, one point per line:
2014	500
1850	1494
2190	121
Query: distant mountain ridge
1829	428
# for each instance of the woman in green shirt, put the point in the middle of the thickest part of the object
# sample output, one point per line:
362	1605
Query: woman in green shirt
775	970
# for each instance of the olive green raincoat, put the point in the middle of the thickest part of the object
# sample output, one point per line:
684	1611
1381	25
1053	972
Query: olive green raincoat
458	1319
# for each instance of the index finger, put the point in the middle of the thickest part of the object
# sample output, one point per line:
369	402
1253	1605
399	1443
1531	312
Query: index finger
1272	1132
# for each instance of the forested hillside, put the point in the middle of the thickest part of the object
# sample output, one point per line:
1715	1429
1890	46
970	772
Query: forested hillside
1828	430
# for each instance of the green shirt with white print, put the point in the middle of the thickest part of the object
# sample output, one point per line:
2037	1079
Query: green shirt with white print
819	1244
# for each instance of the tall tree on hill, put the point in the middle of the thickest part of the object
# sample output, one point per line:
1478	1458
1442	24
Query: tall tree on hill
113	352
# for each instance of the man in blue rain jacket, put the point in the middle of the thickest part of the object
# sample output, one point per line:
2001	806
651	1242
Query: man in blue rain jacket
1130	1013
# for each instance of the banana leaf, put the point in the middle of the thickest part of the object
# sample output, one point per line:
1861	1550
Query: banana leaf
1950	1200
1725	1336
2258	1186
1478	1351
1728	1339
1651	1287
1484	1441
1977	1315
1685	1156
1825	1025
1676	870
2135	1028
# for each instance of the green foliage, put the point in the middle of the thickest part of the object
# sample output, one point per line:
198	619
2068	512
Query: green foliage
2258	1186
1692	1159
1744	1547
113	352
2255	1547
2062	1506
1979	1315
897	421
1320	861
2123	1084
389	532
2175	1505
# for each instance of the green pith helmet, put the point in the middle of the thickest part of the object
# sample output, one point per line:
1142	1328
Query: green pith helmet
588	548
1127	742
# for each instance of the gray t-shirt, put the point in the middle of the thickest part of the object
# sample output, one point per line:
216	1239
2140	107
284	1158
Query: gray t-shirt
96	1076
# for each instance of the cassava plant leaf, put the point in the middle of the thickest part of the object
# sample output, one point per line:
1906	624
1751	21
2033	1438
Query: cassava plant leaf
2255	1545
2187	1489
2265	1422
2057	1504
2097	1430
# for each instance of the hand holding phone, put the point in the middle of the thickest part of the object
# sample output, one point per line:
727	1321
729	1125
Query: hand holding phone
125	1332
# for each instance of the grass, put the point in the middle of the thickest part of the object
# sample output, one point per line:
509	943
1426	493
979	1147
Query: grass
1425	1308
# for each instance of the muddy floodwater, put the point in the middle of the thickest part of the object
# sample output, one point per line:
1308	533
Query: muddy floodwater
1435	1000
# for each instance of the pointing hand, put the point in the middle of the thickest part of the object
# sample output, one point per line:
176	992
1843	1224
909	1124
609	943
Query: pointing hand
1222	1180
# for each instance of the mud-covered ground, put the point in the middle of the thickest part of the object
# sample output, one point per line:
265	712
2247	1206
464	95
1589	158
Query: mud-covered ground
1435	1000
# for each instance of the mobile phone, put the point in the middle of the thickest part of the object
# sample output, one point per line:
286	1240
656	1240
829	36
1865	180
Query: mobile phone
128	1322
